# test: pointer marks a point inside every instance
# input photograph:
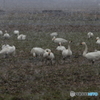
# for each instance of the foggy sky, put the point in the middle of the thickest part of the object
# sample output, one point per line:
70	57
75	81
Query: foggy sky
45	4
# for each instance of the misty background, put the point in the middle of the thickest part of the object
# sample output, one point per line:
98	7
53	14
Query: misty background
31	5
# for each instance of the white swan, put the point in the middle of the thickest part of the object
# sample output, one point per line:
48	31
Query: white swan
7	49
48	55
57	40
21	37
60	47
11	50
98	40
90	34
47	50
1	32
53	34
67	52
37	51
51	56
45	54
5	46
91	55
16	32
6	35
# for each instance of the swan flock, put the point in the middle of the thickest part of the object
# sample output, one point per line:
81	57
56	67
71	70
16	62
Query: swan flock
47	53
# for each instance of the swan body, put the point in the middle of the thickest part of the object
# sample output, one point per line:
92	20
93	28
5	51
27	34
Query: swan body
7	49
90	34
37	51
57	40
1	32
54	34
48	55
16	32
45	54
11	49
47	50
67	52
5	46
21	37
91	55
98	40
60	47
6	35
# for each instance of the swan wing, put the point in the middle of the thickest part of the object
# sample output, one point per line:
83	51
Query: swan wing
98	41
60	48
61	40
93	55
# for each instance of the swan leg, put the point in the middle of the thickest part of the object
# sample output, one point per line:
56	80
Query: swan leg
5	55
51	61
92	61
64	58
14	53
44	61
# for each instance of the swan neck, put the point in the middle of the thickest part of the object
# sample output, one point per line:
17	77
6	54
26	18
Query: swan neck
68	46
85	51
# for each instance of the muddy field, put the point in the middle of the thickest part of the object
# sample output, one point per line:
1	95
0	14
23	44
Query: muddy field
24	77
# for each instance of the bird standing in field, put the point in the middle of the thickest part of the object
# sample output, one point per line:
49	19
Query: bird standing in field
37	51
98	40
92	56
37	54
6	35
45	54
16	32
54	34
19	36
48	56
7	50
57	40
90	35
60	47
67	52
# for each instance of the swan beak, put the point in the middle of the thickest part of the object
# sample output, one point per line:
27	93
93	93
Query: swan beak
81	43
71	41
58	44
96	39
48	53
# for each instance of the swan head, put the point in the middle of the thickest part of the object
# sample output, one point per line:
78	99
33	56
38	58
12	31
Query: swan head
97	38
47	50
49	53
59	44
69	41
83	43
